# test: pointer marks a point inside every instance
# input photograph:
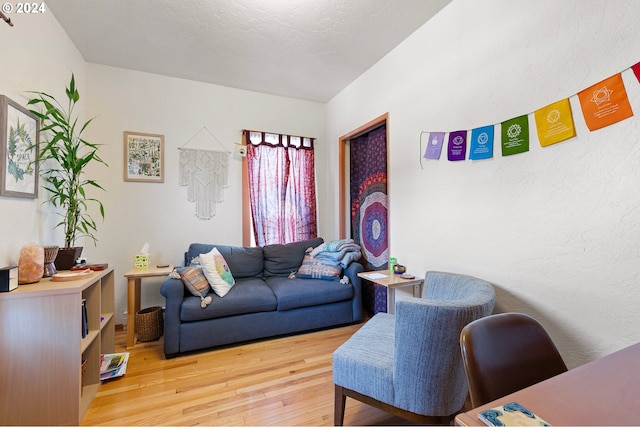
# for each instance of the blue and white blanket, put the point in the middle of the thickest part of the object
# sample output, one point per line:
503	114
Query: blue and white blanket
329	259
343	252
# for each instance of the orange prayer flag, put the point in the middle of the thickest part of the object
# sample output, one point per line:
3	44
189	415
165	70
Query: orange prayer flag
605	103
554	123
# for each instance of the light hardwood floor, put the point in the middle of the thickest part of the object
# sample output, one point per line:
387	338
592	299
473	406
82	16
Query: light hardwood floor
282	381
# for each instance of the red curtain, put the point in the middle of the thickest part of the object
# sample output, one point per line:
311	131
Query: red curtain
281	188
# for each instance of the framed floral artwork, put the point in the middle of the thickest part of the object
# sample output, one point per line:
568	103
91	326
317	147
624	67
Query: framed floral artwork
20	130
143	157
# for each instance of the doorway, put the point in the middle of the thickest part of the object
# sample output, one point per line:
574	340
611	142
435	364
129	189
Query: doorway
364	213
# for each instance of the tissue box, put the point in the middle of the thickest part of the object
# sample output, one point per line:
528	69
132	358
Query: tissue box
141	261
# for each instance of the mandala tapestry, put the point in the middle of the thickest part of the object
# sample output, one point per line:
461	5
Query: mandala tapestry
368	192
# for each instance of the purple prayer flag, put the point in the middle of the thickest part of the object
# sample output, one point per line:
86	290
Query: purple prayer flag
457	149
434	145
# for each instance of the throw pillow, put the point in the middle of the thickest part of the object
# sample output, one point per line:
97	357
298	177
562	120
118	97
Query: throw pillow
315	268
196	282
217	272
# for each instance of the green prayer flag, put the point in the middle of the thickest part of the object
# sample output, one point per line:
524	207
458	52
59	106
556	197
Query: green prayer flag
515	135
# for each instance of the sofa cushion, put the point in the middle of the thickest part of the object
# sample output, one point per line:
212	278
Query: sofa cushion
282	260
244	262
296	293
246	296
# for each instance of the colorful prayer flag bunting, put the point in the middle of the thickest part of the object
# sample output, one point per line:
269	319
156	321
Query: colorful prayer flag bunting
457	149
434	145
602	104
605	103
554	123
515	135
481	143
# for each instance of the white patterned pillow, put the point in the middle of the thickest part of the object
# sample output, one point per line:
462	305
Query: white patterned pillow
217	272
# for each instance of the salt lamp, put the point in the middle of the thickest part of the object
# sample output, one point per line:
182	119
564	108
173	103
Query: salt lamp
30	264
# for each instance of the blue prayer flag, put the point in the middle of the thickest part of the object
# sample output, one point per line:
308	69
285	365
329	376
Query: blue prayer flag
481	143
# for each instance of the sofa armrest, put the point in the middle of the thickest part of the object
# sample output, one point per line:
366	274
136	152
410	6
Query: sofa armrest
173	291
352	273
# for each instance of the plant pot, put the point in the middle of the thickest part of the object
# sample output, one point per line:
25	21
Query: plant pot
67	257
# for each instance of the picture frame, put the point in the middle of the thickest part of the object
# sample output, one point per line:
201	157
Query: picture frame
19	150
143	157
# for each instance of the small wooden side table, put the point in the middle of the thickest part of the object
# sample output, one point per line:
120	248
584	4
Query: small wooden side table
134	279
391	282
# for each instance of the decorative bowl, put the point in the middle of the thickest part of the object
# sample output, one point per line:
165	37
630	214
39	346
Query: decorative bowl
399	269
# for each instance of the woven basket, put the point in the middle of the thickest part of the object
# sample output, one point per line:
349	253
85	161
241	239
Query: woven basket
149	324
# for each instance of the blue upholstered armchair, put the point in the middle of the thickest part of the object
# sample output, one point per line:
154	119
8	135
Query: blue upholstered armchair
409	364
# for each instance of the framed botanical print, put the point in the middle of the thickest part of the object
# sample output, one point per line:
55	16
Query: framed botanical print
143	157
20	131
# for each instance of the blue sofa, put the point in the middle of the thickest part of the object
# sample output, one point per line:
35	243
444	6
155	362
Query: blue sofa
264	301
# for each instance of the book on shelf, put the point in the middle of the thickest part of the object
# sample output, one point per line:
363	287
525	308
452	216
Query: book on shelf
85	321
113	365
511	414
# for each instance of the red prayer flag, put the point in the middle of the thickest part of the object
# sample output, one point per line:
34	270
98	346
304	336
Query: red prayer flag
636	70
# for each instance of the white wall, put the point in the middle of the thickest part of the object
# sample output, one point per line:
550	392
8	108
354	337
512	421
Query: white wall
555	229
35	55
159	213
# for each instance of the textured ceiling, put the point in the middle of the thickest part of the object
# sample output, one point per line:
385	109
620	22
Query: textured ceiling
308	49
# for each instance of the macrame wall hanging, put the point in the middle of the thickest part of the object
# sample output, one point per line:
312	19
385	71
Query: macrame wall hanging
205	173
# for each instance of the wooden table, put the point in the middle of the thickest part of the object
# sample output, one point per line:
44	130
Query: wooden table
391	282
603	392
134	279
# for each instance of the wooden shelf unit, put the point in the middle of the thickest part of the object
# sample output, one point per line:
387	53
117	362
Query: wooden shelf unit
42	349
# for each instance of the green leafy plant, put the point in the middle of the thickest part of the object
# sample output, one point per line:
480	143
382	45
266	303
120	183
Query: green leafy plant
64	158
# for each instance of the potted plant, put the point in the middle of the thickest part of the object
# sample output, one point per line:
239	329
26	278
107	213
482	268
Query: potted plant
64	155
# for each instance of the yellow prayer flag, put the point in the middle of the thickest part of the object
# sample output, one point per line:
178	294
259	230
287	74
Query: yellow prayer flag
555	123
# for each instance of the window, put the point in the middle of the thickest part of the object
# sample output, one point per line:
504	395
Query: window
281	187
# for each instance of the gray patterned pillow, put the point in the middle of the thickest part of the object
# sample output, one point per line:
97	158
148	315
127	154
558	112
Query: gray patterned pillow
195	281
